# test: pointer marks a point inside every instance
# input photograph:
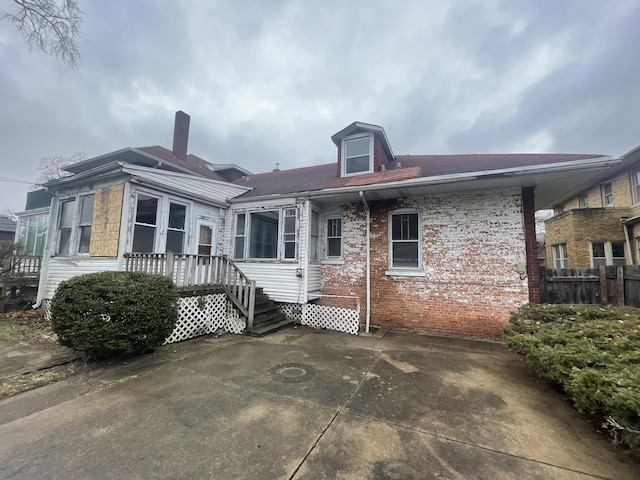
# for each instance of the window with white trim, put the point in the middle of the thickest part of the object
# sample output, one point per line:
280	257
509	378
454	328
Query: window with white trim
334	238
608	253
74	226
176	227
205	240
583	200
159	225
607	194
266	235
146	224
560	259
314	235
636	185
404	248
357	154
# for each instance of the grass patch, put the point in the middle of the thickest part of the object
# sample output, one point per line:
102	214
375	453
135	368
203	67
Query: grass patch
29	381
289	339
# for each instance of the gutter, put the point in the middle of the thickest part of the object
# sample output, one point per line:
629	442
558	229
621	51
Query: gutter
368	253
588	164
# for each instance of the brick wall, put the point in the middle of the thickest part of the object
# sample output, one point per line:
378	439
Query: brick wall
577	228
471	244
105	227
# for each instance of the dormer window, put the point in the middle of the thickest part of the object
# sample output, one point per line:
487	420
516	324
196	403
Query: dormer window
357	154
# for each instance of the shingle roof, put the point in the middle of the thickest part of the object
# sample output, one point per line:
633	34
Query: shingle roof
7	224
194	163
320	177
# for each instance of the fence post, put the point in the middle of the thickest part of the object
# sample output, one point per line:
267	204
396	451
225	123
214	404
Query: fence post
169	266
620	285
602	280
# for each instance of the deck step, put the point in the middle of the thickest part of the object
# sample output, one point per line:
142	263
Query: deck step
263	329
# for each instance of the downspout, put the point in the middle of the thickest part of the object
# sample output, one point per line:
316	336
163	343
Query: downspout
368	210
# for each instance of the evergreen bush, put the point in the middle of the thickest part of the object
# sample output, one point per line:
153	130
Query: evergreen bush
111	314
592	353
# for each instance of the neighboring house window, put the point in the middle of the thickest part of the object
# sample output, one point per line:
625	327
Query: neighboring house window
314	234
405	240
583	201
239	237
559	209
74	226
176	228
560	259
637	251
357	155
146	224
271	234
334	238
607	194
205	240
636	185
608	253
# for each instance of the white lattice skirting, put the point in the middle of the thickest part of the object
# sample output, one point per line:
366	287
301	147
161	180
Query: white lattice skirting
198	315
332	318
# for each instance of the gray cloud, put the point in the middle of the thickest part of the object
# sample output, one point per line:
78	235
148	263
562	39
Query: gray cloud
269	82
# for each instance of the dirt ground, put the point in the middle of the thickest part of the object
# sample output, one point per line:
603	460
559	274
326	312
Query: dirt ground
28	330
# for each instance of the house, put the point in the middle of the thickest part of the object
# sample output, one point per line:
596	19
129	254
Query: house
7	229
438	242
599	225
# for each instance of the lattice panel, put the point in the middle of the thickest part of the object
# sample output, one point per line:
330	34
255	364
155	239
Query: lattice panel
293	311
332	318
204	314
46	309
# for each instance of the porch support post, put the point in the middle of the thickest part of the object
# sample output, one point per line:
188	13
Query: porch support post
531	244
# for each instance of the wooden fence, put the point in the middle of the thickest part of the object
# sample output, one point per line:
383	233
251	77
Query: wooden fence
591	286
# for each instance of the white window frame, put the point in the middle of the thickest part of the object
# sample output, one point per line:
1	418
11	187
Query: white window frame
607	198
282	237
410	271
608	253
74	234
183	230
559	253
327	236
583	200
314	237
635	182
162	221
344	158
242	254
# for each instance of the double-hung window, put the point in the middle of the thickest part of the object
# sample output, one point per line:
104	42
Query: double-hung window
583	200
314	234
608	253
159	225
560	259
357	156
405	240
607	194
636	185
266	235
146	224
74	225
334	238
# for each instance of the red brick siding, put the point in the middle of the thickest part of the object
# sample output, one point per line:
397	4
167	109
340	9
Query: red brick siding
471	244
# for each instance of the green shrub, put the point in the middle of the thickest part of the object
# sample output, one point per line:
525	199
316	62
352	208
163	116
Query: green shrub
592	353
110	314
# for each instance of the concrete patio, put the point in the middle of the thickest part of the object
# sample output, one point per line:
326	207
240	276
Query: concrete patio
306	404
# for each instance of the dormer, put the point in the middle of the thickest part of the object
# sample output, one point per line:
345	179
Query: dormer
362	148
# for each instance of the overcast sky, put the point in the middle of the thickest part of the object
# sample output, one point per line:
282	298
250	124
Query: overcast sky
271	81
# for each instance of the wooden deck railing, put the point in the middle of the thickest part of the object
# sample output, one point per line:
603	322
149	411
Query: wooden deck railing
23	266
188	270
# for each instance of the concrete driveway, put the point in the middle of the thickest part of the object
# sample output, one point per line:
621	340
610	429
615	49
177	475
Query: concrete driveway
306	404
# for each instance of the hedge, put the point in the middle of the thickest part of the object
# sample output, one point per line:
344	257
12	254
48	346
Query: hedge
111	314
592	353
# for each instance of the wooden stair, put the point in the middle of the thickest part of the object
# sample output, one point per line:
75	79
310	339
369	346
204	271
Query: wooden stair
267	316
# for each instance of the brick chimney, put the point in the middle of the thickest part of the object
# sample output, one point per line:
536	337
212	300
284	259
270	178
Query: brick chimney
181	135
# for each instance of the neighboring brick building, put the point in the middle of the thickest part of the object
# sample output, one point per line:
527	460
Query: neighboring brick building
599	225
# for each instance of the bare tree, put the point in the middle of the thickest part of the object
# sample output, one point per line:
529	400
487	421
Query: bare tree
53	26
51	168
